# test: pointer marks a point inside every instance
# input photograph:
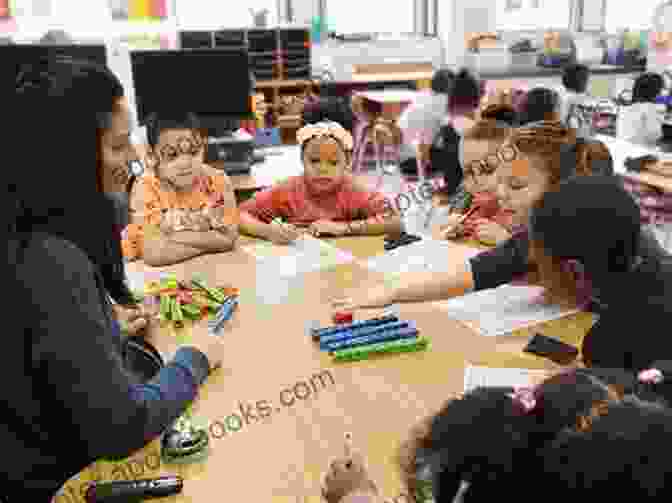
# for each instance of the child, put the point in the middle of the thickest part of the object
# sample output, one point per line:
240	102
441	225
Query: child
575	81
483	219
325	199
494	440
536	159
541	104
184	208
642	122
423	119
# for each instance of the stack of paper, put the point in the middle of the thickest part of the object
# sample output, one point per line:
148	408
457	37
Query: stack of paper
306	254
502	310
475	376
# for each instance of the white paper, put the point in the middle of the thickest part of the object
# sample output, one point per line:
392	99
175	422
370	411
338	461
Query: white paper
421	256
502	310
475	376
306	254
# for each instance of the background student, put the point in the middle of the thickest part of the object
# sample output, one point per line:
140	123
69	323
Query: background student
575	79
184	208
421	120
71	401
536	160
540	104
642	121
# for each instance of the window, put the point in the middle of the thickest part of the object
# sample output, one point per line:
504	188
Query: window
357	16
622	15
532	14
209	15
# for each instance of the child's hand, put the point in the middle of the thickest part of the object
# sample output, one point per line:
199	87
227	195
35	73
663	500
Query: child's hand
283	234
490	233
197	221
327	228
346	475
131	321
452	229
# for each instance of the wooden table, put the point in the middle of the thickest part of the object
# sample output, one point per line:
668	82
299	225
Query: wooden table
269	357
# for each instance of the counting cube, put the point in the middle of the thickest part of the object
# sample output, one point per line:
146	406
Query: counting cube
342	317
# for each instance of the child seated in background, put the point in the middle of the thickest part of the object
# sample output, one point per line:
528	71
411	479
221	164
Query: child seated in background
575	81
482	219
642	122
184	208
325	199
541	104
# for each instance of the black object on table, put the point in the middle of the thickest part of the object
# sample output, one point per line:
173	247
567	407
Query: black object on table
133	490
403	239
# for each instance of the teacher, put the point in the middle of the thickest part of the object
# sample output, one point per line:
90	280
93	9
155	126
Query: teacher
67	399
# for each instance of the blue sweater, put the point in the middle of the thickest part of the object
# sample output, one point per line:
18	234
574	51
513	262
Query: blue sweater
67	400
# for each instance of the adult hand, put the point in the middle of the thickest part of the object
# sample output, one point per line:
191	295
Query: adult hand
347	475
327	228
491	233
376	296
283	234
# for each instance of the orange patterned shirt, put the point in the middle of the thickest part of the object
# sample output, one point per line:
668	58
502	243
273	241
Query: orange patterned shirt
151	200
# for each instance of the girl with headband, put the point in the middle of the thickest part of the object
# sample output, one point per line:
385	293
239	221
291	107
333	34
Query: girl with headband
325	200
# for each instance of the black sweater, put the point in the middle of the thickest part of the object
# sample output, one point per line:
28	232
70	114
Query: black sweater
634	314
67	400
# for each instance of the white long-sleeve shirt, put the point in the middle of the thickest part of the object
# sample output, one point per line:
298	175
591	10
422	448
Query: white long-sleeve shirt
640	123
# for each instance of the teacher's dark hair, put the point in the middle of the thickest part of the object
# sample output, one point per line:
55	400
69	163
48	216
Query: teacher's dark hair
56	120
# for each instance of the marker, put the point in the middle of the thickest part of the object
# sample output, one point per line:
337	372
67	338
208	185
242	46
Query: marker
468	214
387	335
222	311
225	313
398	346
362	332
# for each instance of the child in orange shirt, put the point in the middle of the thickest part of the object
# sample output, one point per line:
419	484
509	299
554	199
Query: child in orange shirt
184	208
325	200
483	220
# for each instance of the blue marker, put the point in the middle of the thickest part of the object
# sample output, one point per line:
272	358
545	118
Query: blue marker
361	332
224	314
322	332
388	335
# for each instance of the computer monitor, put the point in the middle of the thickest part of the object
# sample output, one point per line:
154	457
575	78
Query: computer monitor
215	84
17	56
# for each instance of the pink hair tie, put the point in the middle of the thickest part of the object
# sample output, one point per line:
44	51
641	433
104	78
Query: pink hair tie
525	398
650	376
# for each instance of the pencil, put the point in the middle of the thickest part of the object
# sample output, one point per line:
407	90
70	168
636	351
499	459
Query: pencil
468	213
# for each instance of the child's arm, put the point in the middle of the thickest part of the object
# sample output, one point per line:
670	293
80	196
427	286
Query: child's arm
382	217
225	218
257	216
159	250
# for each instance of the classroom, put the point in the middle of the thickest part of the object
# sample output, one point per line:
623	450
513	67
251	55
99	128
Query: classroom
337	256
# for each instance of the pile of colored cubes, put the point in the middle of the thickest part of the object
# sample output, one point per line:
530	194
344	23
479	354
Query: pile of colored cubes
360	340
179	301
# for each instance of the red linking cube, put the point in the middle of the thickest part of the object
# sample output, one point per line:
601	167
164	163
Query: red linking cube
342	317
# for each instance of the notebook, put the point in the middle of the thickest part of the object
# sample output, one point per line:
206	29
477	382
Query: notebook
502	310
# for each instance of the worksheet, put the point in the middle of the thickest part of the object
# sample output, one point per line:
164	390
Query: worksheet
502	310
476	376
306	254
425	255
